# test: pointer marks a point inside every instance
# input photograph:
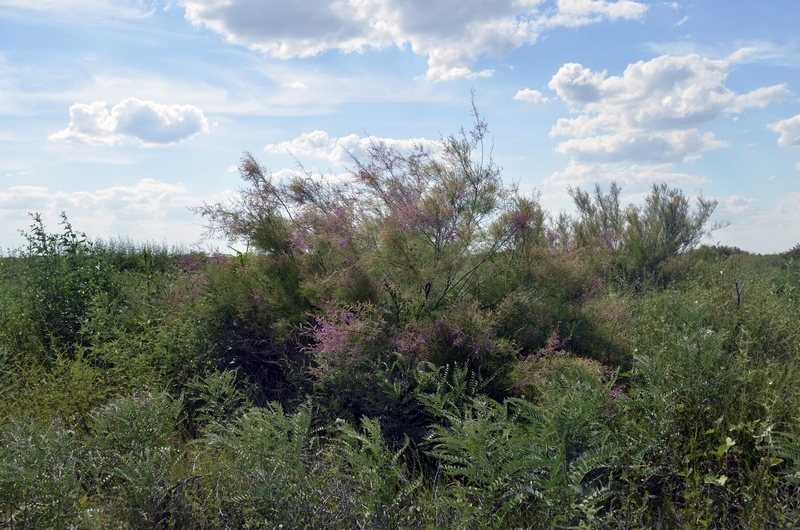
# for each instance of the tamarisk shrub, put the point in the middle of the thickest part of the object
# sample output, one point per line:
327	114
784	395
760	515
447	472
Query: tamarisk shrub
406	256
642	238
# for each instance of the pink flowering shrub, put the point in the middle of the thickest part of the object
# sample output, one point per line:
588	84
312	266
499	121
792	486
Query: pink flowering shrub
408	235
538	374
425	256
344	337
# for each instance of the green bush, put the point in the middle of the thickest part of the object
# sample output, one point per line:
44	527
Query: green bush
59	276
703	400
642	238
251	312
66	390
793	253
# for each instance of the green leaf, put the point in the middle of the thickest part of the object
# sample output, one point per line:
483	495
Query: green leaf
723	449
718	481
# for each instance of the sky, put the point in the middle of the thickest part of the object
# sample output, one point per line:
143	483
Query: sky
125	114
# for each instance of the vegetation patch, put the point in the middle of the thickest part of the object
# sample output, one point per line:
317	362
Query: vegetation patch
418	345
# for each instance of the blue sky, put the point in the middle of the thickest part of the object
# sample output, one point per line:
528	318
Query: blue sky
126	113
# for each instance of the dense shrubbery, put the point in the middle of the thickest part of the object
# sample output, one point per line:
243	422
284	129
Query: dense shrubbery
417	346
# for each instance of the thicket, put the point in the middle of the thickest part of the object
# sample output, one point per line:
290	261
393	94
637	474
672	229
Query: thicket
418	345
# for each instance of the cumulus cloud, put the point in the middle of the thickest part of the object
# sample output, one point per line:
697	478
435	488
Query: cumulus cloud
651	113
320	144
451	33
789	130
530	96
151	123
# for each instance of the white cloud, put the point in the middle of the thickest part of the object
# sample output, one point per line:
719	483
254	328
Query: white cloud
789	130
573	13
761	97
637	176
530	96
451	33
650	113
790	203
147	196
682	21
656	146
737	204
320	144
744	55
144	209
151	123
297	85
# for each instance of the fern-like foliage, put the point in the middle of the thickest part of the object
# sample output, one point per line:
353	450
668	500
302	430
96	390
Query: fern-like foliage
382	485
266	468
131	455
786	446
39	476
516	463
